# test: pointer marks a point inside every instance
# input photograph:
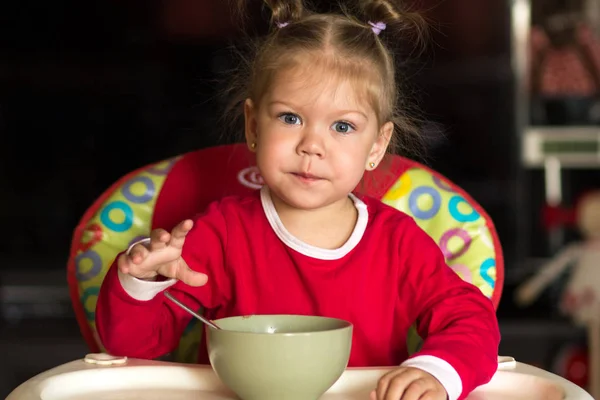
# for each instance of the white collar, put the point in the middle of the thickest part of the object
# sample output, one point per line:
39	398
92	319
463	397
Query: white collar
304	248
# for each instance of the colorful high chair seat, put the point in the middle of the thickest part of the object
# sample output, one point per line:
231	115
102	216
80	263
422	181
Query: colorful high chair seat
164	193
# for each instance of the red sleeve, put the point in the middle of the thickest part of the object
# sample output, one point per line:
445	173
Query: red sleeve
457	322
151	328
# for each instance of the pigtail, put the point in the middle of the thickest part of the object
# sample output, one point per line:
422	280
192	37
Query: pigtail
405	37
399	21
282	12
285	11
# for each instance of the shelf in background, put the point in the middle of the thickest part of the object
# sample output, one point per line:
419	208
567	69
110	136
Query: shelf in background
571	146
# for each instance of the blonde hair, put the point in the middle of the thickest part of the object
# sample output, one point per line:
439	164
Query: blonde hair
344	45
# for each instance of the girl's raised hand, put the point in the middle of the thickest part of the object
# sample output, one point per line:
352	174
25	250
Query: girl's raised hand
161	255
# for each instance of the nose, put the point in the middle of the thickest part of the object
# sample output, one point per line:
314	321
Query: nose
311	144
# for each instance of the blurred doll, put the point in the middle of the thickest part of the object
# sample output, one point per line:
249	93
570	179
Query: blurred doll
581	298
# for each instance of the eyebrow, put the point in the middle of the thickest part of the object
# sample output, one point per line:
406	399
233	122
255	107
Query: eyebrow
342	112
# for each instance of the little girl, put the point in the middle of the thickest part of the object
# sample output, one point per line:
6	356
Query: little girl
320	110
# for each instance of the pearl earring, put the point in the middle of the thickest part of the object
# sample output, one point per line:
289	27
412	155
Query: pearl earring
253	145
372	164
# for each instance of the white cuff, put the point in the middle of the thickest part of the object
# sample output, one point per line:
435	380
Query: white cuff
143	290
441	370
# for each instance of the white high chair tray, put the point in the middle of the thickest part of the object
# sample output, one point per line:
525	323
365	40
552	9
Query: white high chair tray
150	380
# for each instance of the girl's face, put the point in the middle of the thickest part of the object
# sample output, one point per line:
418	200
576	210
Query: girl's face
314	137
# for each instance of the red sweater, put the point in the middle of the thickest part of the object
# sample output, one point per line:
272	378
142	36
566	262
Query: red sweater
389	275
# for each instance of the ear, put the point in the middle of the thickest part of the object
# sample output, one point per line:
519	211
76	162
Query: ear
250	124
381	144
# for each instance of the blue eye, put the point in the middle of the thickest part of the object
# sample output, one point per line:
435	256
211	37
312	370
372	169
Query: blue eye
290	119
342	127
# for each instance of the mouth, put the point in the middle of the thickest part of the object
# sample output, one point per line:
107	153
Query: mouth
306	177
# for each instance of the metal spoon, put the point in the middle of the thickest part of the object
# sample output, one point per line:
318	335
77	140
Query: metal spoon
189	310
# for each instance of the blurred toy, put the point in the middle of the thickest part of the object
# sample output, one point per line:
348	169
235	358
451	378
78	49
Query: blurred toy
581	298
572	363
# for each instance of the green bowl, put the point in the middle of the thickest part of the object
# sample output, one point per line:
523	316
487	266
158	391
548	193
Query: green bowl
275	357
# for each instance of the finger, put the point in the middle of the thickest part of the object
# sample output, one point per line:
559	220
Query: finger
430	395
124	263
127	266
396	389
411	390
398	384
382	385
138	253
190	277
179	232
373	395
159	239
384	382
